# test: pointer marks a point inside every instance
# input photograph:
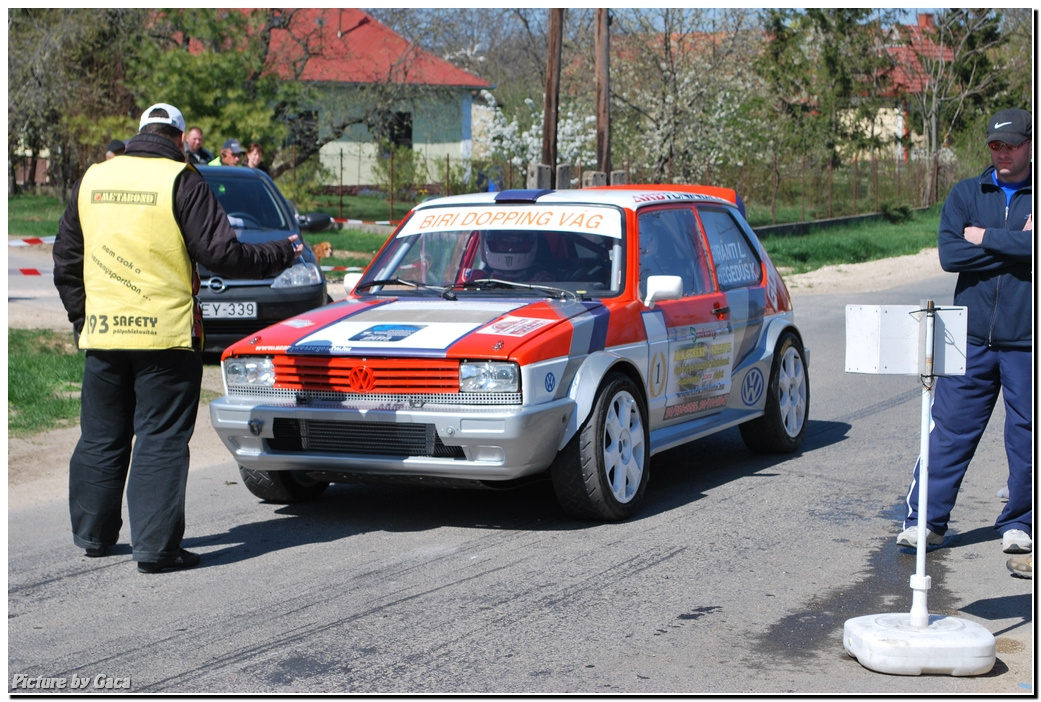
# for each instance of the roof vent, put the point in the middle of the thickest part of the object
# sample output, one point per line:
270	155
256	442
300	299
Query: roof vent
520	195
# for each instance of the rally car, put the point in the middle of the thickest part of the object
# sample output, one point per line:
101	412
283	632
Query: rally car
500	336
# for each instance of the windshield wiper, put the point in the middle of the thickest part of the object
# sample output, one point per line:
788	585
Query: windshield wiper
499	283
402	281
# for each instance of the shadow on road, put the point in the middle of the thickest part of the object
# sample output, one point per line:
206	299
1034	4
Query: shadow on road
680	477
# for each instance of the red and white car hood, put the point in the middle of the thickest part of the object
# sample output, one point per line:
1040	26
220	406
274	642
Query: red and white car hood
435	329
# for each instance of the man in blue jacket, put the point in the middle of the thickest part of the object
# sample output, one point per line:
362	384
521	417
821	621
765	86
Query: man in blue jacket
986	237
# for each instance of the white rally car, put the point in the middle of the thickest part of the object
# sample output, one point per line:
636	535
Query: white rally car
497	337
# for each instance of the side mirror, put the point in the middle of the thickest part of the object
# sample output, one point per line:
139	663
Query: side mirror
315	221
663	287
349	281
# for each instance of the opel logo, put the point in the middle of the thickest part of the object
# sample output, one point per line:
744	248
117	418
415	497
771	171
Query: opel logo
362	379
217	284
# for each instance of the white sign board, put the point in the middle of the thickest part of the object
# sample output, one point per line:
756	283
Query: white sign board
890	339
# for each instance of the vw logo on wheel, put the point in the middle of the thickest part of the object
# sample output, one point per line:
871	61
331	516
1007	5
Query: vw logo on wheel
752	387
362	379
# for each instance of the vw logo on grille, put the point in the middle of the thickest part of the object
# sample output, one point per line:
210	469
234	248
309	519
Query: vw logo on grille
217	284
362	379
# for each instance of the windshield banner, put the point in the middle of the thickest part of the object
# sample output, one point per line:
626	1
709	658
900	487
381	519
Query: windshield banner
604	221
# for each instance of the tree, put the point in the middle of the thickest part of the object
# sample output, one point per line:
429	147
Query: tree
212	65
954	72
680	84
65	90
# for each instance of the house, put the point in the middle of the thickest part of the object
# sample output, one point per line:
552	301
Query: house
374	86
908	77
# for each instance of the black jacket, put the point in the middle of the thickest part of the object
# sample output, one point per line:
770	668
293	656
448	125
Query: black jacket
209	238
995	279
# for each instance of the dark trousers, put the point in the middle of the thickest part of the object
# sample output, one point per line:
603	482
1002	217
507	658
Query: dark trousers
961	409
138	411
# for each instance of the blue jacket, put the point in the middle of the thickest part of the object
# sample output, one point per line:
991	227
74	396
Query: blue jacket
995	279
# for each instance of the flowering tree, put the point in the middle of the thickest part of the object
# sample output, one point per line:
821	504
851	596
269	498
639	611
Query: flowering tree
510	142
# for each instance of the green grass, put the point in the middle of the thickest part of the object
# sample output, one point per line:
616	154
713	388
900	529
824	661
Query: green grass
370	208
44	375
855	243
33	216
361	245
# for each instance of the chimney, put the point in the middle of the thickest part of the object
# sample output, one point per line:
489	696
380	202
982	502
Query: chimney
926	20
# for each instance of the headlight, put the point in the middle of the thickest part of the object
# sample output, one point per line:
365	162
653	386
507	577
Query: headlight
299	274
256	371
487	376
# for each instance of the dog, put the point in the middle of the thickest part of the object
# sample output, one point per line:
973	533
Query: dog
322	250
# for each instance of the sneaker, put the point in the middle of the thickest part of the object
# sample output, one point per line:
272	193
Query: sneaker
1016	541
96	551
1022	566
1003	494
183	559
909	537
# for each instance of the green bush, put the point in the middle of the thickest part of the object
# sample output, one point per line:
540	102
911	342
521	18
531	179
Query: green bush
398	172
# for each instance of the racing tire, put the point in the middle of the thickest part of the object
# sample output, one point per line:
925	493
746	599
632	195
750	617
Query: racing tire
602	473
782	427
281	486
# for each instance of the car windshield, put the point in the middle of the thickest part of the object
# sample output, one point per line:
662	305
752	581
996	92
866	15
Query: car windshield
250	202
503	249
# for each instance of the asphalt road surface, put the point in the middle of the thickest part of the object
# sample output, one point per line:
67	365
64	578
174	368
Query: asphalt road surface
737	577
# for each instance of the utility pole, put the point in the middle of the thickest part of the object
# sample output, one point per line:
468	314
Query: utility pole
603	91
552	104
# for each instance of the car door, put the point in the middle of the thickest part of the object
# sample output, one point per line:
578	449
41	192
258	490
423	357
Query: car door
690	340
739	274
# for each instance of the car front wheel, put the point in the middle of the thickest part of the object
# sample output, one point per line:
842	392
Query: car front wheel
281	486
781	428
602	473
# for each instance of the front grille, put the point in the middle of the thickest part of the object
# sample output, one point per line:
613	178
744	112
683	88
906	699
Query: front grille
285	396
383	376
366	438
237	327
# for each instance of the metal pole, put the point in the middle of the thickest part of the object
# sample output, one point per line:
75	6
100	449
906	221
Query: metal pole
920	582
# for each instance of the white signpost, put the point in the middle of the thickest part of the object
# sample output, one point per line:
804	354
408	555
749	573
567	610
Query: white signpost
902	340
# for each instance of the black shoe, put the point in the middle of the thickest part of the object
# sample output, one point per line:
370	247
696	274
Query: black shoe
183	559
96	551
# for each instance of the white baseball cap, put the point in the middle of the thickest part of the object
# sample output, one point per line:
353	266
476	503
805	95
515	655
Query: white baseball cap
176	119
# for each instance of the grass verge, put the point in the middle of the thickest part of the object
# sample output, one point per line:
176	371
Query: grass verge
44	376
854	243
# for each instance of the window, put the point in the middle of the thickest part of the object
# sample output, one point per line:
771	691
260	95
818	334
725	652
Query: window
393	129
669	245
737	264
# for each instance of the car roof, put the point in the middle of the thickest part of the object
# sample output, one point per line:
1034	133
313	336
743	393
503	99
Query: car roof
232	172
627	196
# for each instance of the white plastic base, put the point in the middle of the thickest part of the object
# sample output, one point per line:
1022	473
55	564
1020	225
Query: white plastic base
888	643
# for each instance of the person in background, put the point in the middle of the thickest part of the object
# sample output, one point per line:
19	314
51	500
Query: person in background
986	237
230	154
114	148
125	269
255	157
193	149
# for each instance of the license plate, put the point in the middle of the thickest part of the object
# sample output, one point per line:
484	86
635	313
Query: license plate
229	310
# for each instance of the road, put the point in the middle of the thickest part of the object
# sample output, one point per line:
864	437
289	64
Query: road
736	578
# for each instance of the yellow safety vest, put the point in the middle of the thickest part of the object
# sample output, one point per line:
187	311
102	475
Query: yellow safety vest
137	274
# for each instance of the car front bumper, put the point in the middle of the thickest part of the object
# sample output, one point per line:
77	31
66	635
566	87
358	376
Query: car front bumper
458	442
